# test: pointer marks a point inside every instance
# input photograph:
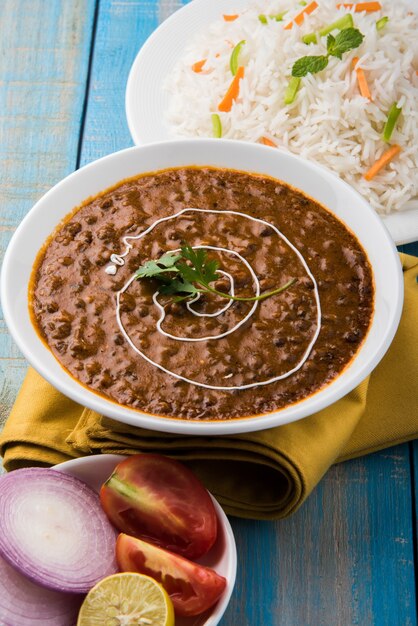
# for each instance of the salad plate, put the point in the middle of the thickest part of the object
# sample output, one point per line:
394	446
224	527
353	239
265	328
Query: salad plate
222	557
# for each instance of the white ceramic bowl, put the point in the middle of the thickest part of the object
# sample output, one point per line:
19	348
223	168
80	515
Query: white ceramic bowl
222	557
314	180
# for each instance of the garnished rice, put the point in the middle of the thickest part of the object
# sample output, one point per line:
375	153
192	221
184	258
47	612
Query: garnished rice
329	121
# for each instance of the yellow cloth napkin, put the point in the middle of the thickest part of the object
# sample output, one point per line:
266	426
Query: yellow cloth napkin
263	475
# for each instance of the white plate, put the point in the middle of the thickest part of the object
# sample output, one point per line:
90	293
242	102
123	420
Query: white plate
147	101
222	557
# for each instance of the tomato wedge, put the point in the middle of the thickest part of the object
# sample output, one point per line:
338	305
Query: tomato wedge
192	588
157	499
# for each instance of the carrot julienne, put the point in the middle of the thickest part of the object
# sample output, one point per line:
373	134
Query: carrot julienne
234	59
230	18
369	7
384	160
198	66
362	81
298	19
268	142
233	92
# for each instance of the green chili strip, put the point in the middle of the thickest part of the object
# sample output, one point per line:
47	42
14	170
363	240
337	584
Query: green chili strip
291	90
216	125
311	38
278	17
344	22
233	61
382	23
393	115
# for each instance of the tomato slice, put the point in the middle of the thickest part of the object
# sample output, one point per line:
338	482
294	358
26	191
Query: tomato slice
157	499
192	588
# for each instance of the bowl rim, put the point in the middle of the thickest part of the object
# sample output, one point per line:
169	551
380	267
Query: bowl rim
230	545
86	397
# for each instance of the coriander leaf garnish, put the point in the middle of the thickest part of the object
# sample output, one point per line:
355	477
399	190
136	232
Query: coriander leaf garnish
178	286
346	40
200	269
169	260
167	263
191	273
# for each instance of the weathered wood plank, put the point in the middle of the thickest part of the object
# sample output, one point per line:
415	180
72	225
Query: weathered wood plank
122	28
44	55
347	556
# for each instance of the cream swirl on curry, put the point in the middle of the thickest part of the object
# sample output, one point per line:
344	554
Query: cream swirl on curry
119	260
204	357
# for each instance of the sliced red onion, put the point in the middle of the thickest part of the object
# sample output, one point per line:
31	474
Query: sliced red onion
54	531
22	603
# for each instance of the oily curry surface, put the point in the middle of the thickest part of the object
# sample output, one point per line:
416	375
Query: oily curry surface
211	358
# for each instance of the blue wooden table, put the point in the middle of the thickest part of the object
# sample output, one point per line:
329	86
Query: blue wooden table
348	555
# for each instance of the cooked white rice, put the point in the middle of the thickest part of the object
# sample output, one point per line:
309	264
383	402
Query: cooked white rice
329	122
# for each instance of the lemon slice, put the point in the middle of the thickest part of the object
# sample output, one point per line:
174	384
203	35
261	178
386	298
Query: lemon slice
127	600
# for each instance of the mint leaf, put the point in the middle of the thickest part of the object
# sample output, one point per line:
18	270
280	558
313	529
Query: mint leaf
309	65
330	41
346	40
332	50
